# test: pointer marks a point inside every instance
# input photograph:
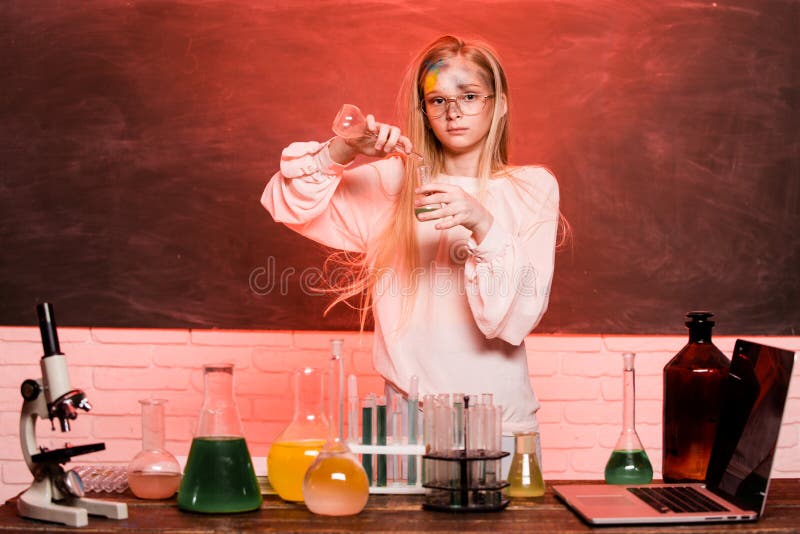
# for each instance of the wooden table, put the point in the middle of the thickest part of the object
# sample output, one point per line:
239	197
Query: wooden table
397	513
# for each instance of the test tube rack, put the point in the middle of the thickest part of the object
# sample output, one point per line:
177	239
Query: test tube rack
398	451
457	482
462	465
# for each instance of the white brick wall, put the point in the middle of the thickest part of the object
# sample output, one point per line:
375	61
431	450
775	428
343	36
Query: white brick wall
577	380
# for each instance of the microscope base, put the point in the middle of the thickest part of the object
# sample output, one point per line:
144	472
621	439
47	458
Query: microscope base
37	503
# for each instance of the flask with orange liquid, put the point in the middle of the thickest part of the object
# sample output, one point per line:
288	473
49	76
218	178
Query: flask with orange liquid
336	483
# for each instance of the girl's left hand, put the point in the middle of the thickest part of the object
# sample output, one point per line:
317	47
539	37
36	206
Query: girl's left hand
458	208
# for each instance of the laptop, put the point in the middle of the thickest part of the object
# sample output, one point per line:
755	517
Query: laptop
737	479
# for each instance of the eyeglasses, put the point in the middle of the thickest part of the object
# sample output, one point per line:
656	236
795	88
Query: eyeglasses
467	104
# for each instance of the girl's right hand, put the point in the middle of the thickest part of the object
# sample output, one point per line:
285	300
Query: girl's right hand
378	140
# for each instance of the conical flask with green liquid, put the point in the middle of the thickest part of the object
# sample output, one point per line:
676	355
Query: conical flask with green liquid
219	476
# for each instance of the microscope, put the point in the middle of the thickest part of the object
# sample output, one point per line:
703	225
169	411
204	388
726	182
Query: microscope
56	495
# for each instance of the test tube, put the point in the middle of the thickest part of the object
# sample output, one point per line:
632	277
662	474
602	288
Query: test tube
475	424
428	435
498	428
458	424
488	421
413	414
437	438
367	409
444	436
488	476
498	440
461	498
475	443
336	354
352	409
381	439
397	439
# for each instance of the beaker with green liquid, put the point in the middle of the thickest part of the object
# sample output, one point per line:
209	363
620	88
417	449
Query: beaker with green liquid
628	463
219	477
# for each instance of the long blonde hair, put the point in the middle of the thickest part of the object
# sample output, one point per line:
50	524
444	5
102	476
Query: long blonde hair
395	250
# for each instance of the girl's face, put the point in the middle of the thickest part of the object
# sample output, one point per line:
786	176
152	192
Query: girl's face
452	78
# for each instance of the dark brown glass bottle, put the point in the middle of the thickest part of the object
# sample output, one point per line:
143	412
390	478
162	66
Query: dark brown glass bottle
692	382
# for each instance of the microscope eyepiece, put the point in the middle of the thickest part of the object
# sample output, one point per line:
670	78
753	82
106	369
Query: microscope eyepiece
47	326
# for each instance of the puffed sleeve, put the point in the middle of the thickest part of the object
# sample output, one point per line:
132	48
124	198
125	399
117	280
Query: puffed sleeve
333	204
509	274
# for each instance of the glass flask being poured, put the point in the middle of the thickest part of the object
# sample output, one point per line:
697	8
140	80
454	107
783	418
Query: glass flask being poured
219	475
298	445
350	123
336	483
525	476
154	473
629	463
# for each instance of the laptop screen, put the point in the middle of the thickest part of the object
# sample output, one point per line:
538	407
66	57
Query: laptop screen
754	396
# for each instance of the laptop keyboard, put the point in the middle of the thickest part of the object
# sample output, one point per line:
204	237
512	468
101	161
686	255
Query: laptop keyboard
678	499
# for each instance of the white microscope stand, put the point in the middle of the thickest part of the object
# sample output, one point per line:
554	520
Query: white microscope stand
38	503
44	500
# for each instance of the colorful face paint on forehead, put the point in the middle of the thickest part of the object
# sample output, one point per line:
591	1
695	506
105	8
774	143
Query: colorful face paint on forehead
432	74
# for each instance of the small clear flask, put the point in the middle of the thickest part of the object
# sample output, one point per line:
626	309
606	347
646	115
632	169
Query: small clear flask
154	473
350	123
296	448
629	463
525	476
219	475
336	483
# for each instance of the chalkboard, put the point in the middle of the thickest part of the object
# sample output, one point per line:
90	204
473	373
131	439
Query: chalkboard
136	138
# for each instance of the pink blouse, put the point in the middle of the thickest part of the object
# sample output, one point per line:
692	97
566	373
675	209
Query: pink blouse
473	304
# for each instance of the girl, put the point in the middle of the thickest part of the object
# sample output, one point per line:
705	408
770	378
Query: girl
454	291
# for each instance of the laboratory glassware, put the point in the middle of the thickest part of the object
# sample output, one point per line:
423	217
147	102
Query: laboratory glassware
454	471
381	432
296	448
219	475
423	173
336	483
154	473
692	396
628	463
350	123
525	476
413	426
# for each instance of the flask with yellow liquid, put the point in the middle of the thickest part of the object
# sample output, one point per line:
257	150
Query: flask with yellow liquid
296	448
525	477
